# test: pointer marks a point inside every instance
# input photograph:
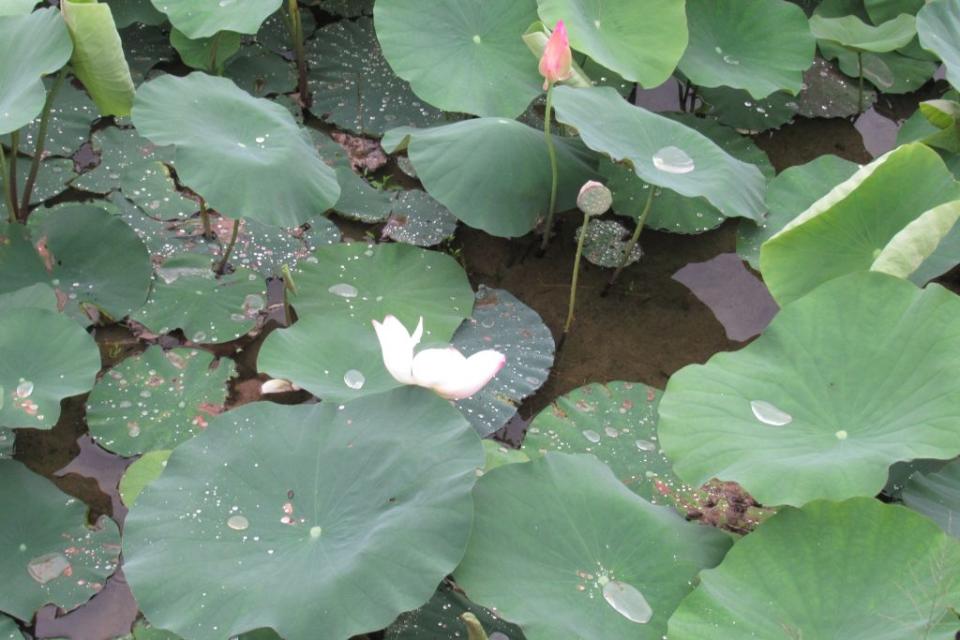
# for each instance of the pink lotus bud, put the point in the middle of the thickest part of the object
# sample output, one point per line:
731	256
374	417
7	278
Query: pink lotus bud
557	61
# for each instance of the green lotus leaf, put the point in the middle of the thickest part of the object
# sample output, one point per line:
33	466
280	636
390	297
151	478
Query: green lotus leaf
853	33
150	186
606	242
186	295
831	94
761	46
844	382
204	18
497	455
49	553
344	8
255	163
417	218
617	422
881	11
157	399
207	54
809	573
44	358
354	87
643	42
145	46
9	629
468	57
128	12
594	560
52	180
124	156
669	210
847	229
143	631
142	472
359	200
43	45
938	25
502	184
502	322
937	496
789	194
917	241
439	619
889	72
274	34
662	152
261	72
98	60
736	108
365	521
37	296
16	7
71	115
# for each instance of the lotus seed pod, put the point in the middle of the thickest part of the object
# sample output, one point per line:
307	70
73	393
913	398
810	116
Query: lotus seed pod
594	199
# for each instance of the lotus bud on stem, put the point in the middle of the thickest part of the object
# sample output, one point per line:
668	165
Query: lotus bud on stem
556	65
634	239
594	199
475	630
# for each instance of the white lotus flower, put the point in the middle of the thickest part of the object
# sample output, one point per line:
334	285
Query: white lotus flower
447	371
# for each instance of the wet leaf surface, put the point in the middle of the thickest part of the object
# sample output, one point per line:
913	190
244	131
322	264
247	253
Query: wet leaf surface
606	244
439	619
417	219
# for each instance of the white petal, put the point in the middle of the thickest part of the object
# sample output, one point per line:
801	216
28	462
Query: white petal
396	345
434	367
475	372
277	385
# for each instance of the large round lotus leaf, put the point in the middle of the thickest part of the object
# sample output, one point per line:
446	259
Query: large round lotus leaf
586	557
617	422
207	54
791	193
68	128
846	381
245	155
439	619
187	296
641	41
671	211
417	218
502	181
467	57
853	33
157	399
151	187
128	12
42	45
881	11
858	570
889	72
94	259
846	230
606	242
364	282
204	18
663	152
124	156
305	508
737	108
938	25
502	322
261	72
48	553
37	296
761	46
354	87
44	358
937	495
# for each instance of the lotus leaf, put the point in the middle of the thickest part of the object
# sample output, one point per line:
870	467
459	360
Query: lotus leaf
439	619
881	11
142	472
71	115
124	156
938	25
853	33
736	108
128	12
17	7
261	72
417	219
9	629
889	72
937	495
204	18
207	54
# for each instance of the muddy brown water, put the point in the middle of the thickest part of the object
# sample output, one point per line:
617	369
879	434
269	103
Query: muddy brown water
649	326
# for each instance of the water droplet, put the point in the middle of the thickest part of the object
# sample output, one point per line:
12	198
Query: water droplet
673	160
24	389
769	414
646	445
592	436
354	379
477	39
343	290
627	601
731	60
315	532
238	523
254	303
841	435
45	568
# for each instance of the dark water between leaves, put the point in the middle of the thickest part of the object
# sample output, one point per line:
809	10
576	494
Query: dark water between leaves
688	298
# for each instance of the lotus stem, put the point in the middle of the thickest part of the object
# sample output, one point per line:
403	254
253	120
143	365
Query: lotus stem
7	193
295	25
634	239
12	176
222	267
860	85
205	219
552	152
575	278
213	54
41	142
475	630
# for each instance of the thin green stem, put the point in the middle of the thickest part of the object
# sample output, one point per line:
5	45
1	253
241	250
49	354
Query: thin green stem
41	142
222	267
205	219
860	86
213	53
7	193
12	176
634	239
295	26
576	277
552	152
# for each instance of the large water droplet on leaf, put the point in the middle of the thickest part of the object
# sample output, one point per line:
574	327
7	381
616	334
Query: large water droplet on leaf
673	160
592	436
45	568
238	523
770	414
627	601
354	379
24	389
343	290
